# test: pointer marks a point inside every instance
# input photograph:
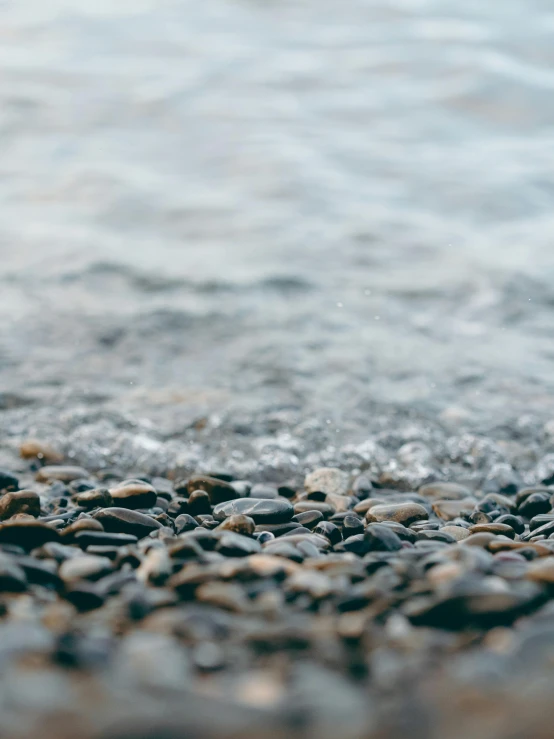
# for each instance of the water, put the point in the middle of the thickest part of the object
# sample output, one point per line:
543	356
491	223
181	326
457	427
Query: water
276	222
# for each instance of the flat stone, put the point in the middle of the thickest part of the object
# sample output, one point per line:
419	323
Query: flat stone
404	513
134	494
86	539
25	501
261	510
451	509
62	473
328	480
27	533
82	524
218	491
125	521
493	528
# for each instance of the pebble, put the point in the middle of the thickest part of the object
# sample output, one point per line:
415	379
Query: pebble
199	582
329	480
125	521
34	448
25	501
381	538
27	533
404	513
260	510
133	494
219	491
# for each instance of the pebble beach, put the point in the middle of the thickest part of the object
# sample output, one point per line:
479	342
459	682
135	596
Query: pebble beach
276	387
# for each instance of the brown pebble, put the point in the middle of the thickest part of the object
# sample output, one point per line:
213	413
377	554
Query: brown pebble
25	501
134	494
34	448
404	513
493	528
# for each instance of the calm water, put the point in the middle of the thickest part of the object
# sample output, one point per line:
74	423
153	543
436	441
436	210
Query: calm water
253	209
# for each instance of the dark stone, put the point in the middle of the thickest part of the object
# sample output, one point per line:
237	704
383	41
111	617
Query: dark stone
84	596
185	522
103	538
12	576
27	533
125	521
352	526
262	511
534	505
134	494
95	498
232	544
218	491
8	481
309	519
381	538
278	529
329	530
199	503
178	506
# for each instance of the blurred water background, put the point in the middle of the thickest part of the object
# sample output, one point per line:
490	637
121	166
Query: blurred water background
268	217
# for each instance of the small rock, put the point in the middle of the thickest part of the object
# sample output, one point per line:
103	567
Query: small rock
134	494
33	448
262	511
27	533
96	498
380	538
239	524
125	521
25	501
328	480
404	513
218	490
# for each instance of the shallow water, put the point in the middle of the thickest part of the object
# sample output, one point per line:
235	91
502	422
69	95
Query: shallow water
297	219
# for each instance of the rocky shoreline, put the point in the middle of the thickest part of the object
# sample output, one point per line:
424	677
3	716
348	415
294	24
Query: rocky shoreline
206	605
